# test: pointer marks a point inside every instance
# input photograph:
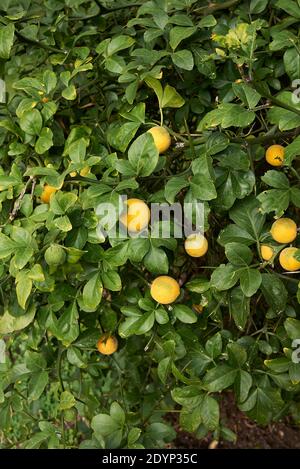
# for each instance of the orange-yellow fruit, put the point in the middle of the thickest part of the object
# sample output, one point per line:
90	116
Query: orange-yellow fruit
266	252
161	138
284	230
48	191
107	344
288	261
165	290
137	215
196	245
275	155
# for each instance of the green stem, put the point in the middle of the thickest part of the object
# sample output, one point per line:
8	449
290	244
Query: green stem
273	100
211	7
59	363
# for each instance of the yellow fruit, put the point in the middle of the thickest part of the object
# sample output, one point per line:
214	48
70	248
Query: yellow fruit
107	344
284	230
137	215
161	138
73	174
275	155
85	171
266	252
288	261
48	191
165	290
196	245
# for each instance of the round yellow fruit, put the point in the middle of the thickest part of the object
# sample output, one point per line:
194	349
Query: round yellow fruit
275	155
107	344
266	252
48	191
137	215
196	245
161	138
288	261
165	290
284	230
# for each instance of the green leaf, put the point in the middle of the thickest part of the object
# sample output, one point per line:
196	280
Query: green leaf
173	187
163	369
198	285
292	327
92	292
178	34
10	323
185	314
214	345
285	119
7	246
291	60
258	6
31	122
44	142
37	384
238	254
183	59
69	93
6	40
156	261
274	292
210	412
224	277
67	400
219	378
143	155
250	280
227	115
289	6
171	98
23	288
111	280
247	95
119	43
239	307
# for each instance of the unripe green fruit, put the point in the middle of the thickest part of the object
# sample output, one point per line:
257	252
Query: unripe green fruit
55	255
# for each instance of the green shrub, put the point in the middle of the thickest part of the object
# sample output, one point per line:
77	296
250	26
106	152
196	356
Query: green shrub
85	80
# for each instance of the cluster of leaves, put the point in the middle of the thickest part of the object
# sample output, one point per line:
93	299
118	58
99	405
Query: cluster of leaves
85	80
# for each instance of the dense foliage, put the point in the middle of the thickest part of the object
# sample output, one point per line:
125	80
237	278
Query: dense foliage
84	81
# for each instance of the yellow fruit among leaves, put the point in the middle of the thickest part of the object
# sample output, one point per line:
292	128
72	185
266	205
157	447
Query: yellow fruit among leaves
288	261
137	215
107	344
267	252
275	155
165	290
284	230
196	245
161	137
48	191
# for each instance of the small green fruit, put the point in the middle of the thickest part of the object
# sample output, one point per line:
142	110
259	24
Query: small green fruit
55	255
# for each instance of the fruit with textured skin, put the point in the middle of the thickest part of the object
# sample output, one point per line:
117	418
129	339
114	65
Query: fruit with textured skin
48	191
267	252
55	255
107	344
287	259
165	290
275	155
161	137
284	230
137	215
196	245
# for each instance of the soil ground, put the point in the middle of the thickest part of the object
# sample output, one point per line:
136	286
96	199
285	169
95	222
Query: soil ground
278	435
